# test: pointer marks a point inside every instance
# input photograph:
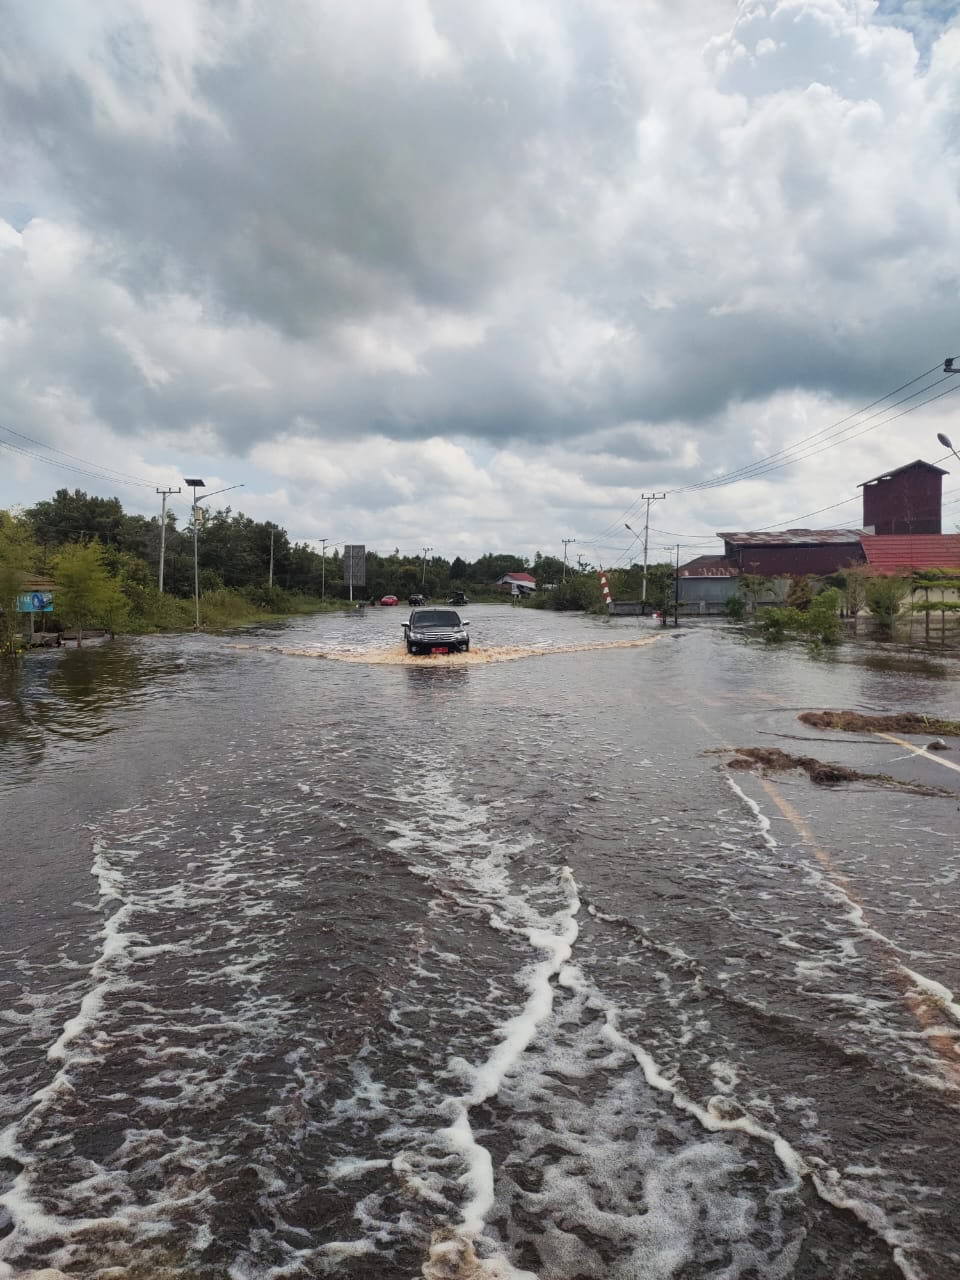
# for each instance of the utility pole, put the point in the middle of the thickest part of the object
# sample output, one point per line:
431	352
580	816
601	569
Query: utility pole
323	567
566	543
676	591
270	579
648	498
423	576
163	528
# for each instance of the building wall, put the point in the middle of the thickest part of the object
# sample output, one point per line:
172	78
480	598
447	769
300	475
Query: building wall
708	590
779	561
906	503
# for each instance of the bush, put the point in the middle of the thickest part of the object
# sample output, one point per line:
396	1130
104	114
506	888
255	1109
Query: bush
821	620
884	596
736	608
581	592
774	623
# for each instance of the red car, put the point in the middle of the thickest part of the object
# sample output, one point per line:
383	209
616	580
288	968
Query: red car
389	600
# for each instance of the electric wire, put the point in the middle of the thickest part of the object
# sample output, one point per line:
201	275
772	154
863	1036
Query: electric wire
75	457
83	471
759	467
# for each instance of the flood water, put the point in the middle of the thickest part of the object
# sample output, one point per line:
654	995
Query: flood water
388	968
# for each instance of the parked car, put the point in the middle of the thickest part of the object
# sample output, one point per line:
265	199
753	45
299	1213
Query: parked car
389	600
436	631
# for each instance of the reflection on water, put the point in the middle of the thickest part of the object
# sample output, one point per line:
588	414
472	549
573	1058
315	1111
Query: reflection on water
75	695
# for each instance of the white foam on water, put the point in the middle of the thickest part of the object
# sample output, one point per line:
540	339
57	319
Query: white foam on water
940	994
397	656
854	912
714	1118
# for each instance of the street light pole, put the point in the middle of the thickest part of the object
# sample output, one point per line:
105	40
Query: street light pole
423	576
945	440
194	483
270	578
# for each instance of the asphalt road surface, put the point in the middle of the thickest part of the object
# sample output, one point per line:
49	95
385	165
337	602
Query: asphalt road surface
317	960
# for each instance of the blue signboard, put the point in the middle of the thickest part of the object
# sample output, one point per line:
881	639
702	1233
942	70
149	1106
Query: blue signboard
35	602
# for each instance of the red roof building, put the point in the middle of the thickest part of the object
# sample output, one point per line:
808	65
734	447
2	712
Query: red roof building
892	554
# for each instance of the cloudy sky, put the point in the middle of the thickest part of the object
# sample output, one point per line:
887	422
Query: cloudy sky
477	275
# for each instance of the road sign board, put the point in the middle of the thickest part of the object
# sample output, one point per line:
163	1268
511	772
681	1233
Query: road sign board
355	564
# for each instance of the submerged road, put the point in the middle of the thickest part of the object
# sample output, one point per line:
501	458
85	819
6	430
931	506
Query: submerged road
319	961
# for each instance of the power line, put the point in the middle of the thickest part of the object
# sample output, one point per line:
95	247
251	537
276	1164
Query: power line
841	437
777	466
75	457
760	467
66	466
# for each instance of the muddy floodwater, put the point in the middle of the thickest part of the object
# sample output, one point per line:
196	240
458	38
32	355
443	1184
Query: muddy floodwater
319	960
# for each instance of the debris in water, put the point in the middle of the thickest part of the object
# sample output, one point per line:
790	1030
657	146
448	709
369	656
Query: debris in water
937	744
903	722
773	760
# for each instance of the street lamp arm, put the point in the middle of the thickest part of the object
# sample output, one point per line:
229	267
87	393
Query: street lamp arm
216	491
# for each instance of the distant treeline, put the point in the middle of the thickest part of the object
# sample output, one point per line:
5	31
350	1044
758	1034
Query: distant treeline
234	552
105	563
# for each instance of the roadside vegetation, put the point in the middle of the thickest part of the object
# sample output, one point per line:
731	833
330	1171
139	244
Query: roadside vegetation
818	609
581	590
102	563
805	615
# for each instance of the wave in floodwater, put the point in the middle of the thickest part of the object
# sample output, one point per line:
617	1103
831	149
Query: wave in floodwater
238	1094
397	656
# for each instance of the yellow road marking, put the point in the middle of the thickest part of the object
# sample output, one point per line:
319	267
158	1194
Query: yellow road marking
918	1004
919	751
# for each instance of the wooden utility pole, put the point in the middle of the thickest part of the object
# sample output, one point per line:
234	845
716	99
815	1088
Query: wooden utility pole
163	528
648	498
566	543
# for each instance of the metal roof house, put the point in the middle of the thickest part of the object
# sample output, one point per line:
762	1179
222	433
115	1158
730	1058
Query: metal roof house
517	583
793	551
906	500
708	582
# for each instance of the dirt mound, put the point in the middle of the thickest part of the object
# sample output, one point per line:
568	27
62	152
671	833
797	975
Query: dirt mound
773	760
904	722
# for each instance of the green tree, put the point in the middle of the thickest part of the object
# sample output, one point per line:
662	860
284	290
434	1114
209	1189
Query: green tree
754	586
661	587
74	517
854	590
17	557
85	592
884	596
